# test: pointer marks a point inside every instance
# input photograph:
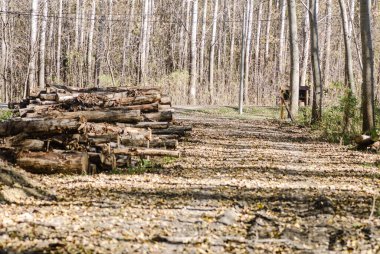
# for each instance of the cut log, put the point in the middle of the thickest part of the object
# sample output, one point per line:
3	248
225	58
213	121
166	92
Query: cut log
103	162
34	145
173	130
364	140
35	126
146	99
166	100
150	125
162	116
103	139
48	96
153	107
111	116
155	143
54	162
146	152
135	133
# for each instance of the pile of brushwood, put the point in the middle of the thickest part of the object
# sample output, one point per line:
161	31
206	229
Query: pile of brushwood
87	130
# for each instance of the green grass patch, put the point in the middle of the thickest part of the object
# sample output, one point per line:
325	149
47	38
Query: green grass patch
5	115
251	112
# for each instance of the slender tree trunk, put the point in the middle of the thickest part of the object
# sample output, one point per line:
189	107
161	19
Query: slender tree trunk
368	69
212	52
127	39
33	46
144	41
90	43
267	40
280	57
248	45
294	55
349	72
242	59
203	42
328	43
100	47
41	78
257	53
317	80
4	51
232	45
306	48
59	41
193	69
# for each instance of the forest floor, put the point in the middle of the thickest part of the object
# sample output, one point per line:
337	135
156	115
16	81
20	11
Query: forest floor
244	185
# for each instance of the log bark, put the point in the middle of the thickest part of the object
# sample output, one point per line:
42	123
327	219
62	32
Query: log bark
132	116
146	152
54	162
36	126
173	130
162	116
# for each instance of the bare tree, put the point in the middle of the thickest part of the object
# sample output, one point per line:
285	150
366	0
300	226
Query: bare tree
33	45
193	58
4	51
315	62
349	72
368	75
41	77
212	52
59	41
203	41
90	42
294	53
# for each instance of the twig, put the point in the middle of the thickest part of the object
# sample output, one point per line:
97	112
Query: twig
373	207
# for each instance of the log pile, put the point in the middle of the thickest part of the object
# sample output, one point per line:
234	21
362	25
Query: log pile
76	130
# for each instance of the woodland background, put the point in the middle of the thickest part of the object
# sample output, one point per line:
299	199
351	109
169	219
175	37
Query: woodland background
135	42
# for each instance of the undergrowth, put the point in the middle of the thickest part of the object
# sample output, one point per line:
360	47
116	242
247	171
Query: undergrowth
5	115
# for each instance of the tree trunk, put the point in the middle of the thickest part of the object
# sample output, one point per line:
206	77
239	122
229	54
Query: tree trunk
212	52
32	51
59	42
144	41
41	78
280	57
99	57
349	72
4	51
328	44
368	75
203	42
306	48
90	43
193	69
248	45
267	40
317	81
294	54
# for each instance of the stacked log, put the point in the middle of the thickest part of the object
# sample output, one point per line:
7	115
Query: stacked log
85	130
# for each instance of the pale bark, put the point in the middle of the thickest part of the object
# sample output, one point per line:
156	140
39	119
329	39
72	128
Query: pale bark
328	43
32	50
4	51
349	72
267	40
248	45
193	59
232	45
315	62
90	43
294	53
306	48
212	51
280	56
144	41
203	41
41	77
59	42
127	41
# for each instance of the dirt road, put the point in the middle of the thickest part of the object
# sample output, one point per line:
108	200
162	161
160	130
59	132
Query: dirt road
242	186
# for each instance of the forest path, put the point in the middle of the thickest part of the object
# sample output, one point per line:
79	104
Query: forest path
242	186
